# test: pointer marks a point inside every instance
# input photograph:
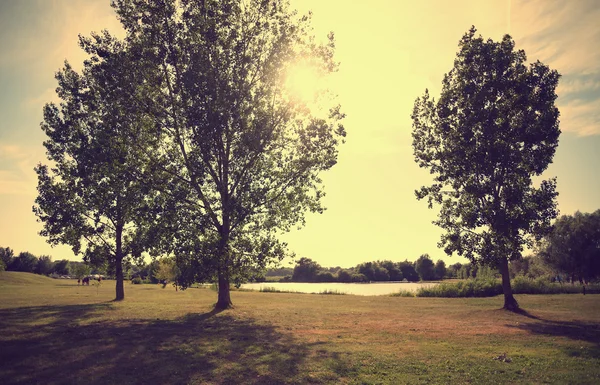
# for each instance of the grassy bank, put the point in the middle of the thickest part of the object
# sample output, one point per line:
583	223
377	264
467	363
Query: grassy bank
489	287
54	331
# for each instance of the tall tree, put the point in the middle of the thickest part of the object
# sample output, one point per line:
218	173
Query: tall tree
90	198
408	271
306	270
79	269
425	267
7	255
494	127
167	271
25	262
62	267
440	269
243	156
393	270
44	265
573	246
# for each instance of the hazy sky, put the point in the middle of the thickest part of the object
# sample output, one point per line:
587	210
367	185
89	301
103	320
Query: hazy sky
390	51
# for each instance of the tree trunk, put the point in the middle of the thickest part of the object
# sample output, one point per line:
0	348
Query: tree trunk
510	303
120	291
224	300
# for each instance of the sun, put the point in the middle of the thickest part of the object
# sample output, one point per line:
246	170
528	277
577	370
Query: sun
303	82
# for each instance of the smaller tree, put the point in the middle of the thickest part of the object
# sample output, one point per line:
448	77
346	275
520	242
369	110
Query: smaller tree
344	276
44	265
394	271
79	269
167	271
324	276
306	270
573	246
425	268
380	273
61	267
494	128
408	271
440	269
92	197
6	255
367	269
25	262
452	270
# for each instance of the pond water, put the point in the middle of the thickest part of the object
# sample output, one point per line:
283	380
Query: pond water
380	288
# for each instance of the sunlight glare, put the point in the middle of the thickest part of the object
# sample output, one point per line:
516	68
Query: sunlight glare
302	81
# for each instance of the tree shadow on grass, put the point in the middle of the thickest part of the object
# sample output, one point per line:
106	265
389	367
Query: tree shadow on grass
63	344
573	330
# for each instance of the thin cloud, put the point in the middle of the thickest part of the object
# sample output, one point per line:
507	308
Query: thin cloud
565	35
36	102
16	169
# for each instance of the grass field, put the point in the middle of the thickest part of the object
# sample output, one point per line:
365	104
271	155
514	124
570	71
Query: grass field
53	331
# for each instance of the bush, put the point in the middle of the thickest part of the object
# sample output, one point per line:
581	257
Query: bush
525	285
271	289
358	277
333	292
403	293
324	276
490	287
137	281
479	287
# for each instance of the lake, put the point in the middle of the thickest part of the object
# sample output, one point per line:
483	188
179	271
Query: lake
380	288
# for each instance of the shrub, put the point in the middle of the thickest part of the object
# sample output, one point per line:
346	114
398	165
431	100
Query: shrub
271	289
137	281
479	287
332	292
525	285
358	277
489	287
324	276
403	293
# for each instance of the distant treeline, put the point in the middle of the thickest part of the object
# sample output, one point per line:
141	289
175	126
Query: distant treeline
43	265
424	269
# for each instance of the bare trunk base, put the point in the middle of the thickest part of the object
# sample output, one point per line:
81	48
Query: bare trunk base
224	300
120	290
223	305
510	303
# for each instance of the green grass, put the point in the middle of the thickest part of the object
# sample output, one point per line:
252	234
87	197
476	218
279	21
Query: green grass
53	331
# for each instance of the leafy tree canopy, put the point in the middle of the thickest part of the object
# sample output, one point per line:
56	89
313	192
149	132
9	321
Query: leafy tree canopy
494	127
7	255
425	267
573	246
239	158
89	196
25	262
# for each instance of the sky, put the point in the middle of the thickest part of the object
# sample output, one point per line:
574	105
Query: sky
389	52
